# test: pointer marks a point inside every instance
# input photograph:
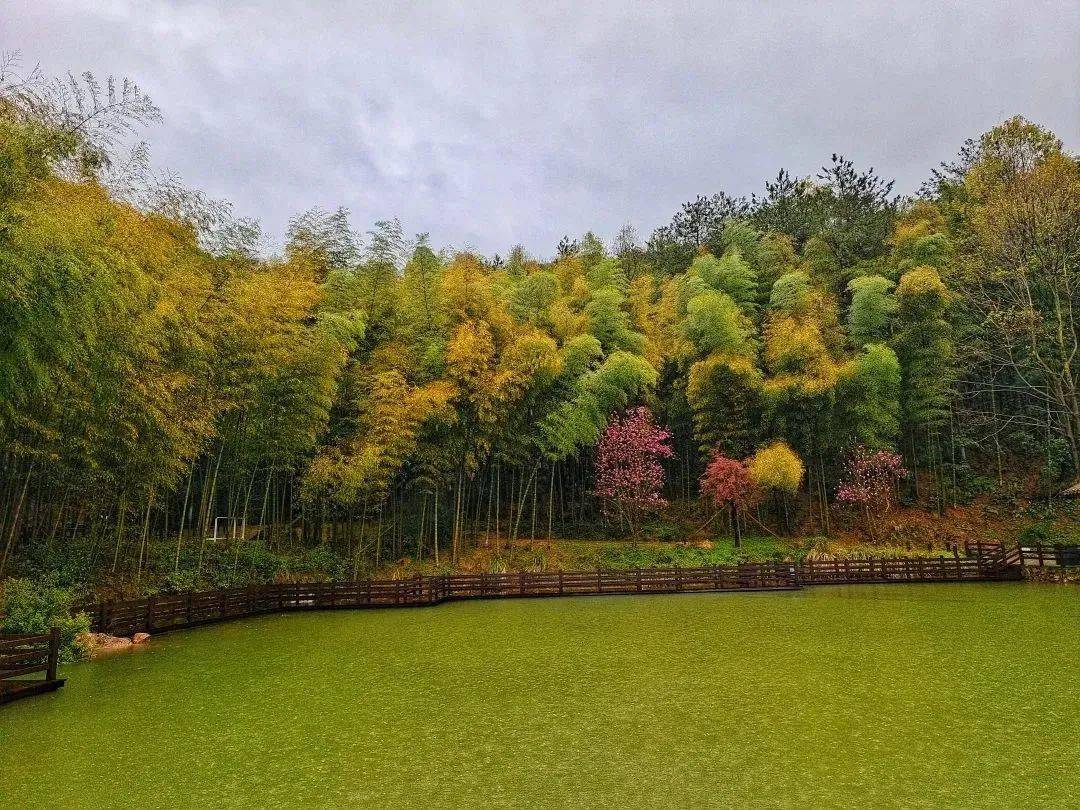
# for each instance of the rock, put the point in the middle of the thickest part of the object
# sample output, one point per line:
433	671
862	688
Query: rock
103	643
140	638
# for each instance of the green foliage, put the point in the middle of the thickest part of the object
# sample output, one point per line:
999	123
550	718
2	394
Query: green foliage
791	293
714	323
579	421
731	275
156	372
1049	534
533	296
872	306
610	322
721	552
36	608
923	344
725	395
868	397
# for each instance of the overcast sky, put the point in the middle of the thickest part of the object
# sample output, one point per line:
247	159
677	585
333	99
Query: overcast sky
492	123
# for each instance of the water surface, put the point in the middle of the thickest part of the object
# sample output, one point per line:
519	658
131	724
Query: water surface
882	696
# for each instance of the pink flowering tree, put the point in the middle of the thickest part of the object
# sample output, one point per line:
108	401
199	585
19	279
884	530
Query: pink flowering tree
869	484
727	483
629	475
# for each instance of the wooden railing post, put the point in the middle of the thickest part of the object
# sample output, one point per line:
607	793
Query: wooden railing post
54	654
150	613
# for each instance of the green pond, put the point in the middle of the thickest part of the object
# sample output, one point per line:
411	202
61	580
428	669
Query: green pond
872	696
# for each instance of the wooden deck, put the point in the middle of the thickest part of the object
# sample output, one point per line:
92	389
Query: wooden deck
28	665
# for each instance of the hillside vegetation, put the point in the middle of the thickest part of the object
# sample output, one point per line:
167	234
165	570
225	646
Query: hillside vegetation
176	406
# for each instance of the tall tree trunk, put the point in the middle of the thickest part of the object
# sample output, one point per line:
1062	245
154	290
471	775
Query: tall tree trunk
13	529
121	514
145	535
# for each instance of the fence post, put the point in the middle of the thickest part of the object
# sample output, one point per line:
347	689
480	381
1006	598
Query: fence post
150	613
54	653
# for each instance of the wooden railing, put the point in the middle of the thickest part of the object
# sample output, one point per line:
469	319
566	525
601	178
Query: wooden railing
168	611
1023	554
162	612
23	656
904	569
1044	556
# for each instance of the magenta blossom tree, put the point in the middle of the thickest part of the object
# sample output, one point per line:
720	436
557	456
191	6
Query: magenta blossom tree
869	483
629	475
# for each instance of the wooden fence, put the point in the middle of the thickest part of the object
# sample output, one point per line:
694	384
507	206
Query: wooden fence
23	656
1037	554
903	569
162	612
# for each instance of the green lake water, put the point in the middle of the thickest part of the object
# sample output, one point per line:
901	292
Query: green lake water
869	696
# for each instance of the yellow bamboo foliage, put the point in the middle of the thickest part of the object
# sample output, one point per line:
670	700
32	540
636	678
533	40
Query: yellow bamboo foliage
367	464
776	467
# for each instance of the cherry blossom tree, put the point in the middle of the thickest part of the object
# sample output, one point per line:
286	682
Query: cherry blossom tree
629	475
869	482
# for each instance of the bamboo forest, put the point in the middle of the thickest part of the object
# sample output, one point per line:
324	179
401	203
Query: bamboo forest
507	405
178	406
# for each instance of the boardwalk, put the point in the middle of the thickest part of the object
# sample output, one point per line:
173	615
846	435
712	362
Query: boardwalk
28	665
163	612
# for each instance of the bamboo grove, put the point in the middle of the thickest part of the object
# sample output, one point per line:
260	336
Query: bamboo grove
373	395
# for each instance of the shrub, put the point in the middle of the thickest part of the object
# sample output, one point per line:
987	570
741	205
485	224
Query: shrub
1048	534
37	608
870	478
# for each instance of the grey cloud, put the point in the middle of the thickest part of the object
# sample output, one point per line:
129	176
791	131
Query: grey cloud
493	123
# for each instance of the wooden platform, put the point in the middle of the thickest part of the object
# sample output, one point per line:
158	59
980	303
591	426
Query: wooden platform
24	656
